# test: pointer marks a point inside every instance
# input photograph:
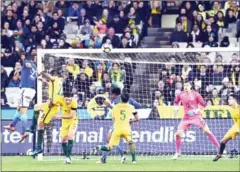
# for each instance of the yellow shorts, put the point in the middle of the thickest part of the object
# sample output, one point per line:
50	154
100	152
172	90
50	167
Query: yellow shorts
69	126
48	113
118	134
233	132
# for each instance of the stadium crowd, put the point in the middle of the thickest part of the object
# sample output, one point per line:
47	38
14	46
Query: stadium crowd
29	25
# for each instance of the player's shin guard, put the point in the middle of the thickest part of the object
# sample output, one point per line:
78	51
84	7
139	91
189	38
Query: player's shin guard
213	139
65	149
16	118
222	147
119	150
69	150
178	144
24	122
40	138
132	150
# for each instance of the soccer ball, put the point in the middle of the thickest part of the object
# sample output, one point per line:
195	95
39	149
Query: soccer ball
29	152
107	48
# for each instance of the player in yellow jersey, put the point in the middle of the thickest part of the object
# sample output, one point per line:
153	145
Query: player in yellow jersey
121	114
69	119
46	111
235	129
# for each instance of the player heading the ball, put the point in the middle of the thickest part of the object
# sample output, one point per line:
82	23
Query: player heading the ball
235	129
192	103
121	115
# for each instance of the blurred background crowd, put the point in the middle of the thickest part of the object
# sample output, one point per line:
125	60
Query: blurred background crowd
57	24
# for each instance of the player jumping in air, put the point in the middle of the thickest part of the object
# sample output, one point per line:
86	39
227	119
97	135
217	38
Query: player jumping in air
47	110
69	119
27	93
121	115
192	116
235	129
116	98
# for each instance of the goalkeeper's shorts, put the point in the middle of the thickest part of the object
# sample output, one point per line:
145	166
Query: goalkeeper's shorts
48	113
198	121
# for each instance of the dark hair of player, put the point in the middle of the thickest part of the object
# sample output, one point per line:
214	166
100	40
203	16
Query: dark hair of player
116	91
125	97
234	96
67	94
54	73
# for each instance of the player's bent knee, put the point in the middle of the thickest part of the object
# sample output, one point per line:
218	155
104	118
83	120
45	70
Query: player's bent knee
64	139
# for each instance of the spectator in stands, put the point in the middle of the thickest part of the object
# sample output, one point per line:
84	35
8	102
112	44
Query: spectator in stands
207	33
211	42
123	18
98	74
86	29
220	19
230	18
83	18
235	76
74	10
82	84
72	67
235	58
158	99
129	71
115	40
14	77
187	24
201	11
55	31
9	58
63	44
117	24
178	35
63	5
4	83
7	41
196	34
125	43
218	75
10	19
101	26
223	92
87	69
211	21
214	97
200	22
117	76
219	59
156	16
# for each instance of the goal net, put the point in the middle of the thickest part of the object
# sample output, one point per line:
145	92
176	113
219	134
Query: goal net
153	77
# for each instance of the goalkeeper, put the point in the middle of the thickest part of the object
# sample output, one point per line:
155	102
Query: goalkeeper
116	99
48	109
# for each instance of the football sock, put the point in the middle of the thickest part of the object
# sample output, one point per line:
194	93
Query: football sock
65	149
132	150
24	122
40	138
178	144
222	147
70	145
16	118
213	139
104	154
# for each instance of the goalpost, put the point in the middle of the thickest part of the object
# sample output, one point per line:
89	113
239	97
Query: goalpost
153	77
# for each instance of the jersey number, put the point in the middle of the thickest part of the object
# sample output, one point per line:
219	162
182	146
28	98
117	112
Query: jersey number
123	115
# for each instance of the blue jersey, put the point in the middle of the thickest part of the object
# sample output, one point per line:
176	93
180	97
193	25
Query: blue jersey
131	101
28	75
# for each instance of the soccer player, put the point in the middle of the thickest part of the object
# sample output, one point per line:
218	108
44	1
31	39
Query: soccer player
121	115
116	98
235	129
69	123
48	109
27	93
192	116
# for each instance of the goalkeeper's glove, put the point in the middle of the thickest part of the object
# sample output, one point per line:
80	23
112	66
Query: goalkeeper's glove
193	112
175	111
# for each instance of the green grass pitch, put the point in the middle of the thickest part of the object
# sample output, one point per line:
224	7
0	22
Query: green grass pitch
24	163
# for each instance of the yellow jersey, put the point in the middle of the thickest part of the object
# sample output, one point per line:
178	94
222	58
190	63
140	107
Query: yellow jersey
55	89
122	113
66	108
235	113
75	70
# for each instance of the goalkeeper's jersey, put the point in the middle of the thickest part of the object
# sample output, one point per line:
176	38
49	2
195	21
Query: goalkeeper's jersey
55	89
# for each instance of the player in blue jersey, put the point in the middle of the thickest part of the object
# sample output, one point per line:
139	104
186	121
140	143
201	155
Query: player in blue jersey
116	99
27	93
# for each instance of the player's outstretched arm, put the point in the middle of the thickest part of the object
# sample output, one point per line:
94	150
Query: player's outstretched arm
135	103
136	118
48	76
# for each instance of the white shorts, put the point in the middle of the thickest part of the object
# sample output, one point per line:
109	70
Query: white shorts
26	96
